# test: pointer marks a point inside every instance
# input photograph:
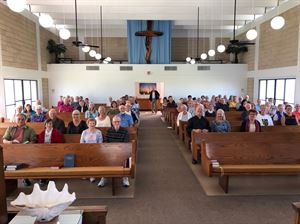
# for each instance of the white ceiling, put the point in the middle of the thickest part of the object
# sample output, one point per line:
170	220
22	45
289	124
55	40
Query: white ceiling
214	14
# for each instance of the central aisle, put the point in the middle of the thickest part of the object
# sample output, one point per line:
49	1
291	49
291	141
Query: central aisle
167	192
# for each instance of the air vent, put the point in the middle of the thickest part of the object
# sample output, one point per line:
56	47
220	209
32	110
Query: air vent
203	68
170	68
92	68
126	68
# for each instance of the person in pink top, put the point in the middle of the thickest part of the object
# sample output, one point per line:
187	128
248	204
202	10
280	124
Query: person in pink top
66	107
60	102
297	111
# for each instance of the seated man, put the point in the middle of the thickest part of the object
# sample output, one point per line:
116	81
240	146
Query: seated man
18	134
198	122
222	105
57	123
116	134
264	118
126	120
39	116
171	102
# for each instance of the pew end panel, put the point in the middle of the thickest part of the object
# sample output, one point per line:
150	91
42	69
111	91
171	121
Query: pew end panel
296	207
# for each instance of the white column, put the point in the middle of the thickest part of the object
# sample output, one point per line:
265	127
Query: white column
297	91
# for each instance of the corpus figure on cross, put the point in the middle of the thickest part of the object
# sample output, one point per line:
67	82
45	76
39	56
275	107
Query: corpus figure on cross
149	33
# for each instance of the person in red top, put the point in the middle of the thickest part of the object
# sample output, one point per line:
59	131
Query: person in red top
50	134
297	111
66	107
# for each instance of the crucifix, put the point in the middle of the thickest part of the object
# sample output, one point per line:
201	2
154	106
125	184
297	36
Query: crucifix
149	33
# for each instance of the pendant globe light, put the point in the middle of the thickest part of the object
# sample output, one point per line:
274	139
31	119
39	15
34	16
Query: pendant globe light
221	47
16	5
64	33
46	20
278	21
203	56
251	34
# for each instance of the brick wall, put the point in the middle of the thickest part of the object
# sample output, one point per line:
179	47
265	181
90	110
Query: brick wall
45	87
114	47
46	58
279	48
222	56
250	88
247	57
18	35
72	51
184	47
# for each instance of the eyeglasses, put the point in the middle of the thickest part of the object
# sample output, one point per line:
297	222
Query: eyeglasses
116	121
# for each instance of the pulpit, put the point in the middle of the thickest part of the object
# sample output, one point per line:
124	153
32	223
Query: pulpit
145	104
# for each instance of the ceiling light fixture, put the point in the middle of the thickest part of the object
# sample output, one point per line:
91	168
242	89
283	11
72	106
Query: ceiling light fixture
16	5
63	32
252	33
278	21
46	20
221	48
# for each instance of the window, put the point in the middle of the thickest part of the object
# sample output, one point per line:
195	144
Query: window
281	90
19	92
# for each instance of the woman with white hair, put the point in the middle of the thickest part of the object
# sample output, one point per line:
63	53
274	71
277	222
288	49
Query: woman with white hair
220	124
76	126
184	115
91	112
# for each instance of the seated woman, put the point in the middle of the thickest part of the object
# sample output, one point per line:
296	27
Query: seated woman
289	118
220	124
76	126
28	111
50	134
91	135
114	110
279	114
91	112
102	120
210	112
251	124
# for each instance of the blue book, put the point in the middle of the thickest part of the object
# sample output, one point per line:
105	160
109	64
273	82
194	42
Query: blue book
69	160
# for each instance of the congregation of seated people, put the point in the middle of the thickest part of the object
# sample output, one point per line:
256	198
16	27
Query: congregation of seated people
123	113
252	115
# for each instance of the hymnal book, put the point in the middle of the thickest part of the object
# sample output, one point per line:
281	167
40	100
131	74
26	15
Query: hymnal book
15	166
69	160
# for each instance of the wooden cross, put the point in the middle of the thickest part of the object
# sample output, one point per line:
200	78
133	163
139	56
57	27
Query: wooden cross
149	33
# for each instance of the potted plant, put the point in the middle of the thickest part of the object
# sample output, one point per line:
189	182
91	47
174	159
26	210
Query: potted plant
56	49
236	49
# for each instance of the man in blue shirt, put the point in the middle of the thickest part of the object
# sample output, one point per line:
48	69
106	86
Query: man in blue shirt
126	119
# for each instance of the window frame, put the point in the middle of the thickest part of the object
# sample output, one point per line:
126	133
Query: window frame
23	100
275	87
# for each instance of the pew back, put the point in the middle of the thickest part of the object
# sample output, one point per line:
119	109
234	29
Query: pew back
86	155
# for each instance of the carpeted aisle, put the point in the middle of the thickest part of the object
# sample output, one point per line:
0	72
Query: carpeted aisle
166	190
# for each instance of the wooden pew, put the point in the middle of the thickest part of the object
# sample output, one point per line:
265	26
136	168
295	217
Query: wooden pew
296	207
239	136
196	137
92	160
75	138
92	214
3	210
249	158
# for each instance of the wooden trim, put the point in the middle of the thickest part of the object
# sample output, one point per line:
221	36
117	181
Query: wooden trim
3	210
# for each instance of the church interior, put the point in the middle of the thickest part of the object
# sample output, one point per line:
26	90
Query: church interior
159	61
